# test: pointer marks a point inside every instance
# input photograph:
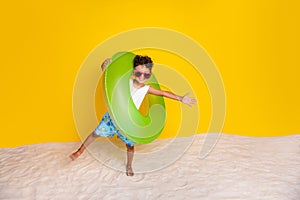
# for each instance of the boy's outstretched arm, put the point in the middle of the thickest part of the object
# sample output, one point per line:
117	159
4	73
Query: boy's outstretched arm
184	99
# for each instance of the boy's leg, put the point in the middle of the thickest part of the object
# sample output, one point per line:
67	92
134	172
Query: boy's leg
86	143
130	152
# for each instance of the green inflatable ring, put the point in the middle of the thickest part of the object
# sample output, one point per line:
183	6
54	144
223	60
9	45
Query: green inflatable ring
137	127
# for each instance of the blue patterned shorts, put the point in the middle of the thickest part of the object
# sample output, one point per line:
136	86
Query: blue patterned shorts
106	128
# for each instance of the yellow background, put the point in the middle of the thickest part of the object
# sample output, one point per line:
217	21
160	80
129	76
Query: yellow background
255	45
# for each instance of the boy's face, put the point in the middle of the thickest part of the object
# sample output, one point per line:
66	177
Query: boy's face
141	73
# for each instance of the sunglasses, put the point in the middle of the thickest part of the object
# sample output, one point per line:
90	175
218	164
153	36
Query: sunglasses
138	74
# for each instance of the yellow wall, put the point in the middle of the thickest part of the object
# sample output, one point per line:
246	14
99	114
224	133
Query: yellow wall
43	43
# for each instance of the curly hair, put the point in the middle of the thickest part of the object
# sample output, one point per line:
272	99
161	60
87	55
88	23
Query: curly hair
142	60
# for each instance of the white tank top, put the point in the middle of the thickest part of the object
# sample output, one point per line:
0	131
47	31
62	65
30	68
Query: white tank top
138	94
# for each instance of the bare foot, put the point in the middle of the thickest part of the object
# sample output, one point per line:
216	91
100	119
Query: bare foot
129	171
75	155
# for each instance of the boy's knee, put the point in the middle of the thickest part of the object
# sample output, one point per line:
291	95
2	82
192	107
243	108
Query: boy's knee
130	148
95	135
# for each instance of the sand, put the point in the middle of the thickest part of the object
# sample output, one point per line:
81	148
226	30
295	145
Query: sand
237	168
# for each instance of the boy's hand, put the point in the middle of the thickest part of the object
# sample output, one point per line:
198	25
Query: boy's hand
187	100
105	63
